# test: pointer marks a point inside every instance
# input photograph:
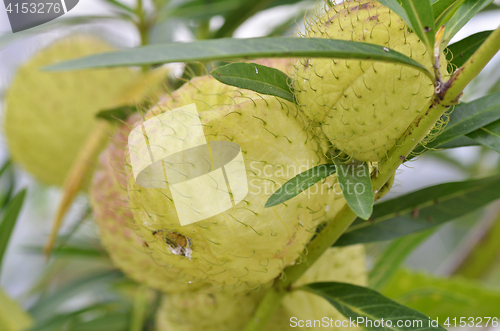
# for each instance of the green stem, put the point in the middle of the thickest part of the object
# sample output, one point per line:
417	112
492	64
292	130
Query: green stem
315	249
415	133
465	74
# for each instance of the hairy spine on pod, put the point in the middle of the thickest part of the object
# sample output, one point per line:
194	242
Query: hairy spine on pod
247	245
127	250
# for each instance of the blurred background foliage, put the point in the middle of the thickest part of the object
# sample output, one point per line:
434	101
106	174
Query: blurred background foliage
451	271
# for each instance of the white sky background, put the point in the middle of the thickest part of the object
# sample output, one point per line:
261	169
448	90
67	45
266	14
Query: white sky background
20	270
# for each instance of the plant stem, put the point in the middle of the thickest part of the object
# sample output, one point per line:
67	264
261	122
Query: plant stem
465	74
315	249
415	133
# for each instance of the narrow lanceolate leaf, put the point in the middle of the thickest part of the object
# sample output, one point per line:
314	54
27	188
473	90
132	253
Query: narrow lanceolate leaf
255	77
462	50
393	256
395	6
444	9
119	5
9	221
355	182
239	15
421	210
370	309
462	141
5	166
422	20
75	318
445	298
44	308
71	251
227	49
465	118
488	135
464	13
300	183
198	9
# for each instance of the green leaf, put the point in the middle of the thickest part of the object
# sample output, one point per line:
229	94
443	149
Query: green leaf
255	77
465	118
116	114
117	4
72	251
464	13
247	9
491	6
444	298
65	321
288	27
227	49
394	255
488	135
199	9
5	166
482	257
462	141
356	184
421	210
361	303
9	221
12	316
118	321
443	10
239	15
300	183
422	20
10	187
45	306
395	6
462	50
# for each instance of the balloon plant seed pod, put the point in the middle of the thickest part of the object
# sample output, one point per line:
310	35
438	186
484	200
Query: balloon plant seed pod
363	106
223	311
48	116
109	199
247	245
